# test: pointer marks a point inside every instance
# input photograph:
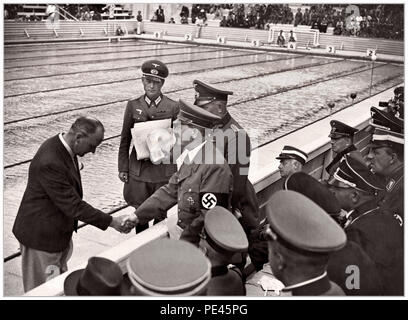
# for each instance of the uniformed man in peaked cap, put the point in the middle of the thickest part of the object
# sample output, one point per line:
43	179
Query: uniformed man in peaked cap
167	267
141	177
291	160
341	136
377	234
221	238
386	120
386	159
203	179
237	151
301	236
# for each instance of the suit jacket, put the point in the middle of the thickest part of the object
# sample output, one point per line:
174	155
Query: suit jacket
136	111
393	201
52	203
189	188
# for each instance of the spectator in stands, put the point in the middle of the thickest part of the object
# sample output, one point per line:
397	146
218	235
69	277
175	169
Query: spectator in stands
111	10
51	12
338	29
119	31
281	39
172	20
306	18
139	17
292	37
160	14
298	17
184	20
184	12
224	22
324	24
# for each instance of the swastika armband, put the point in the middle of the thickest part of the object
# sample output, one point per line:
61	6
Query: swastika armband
209	200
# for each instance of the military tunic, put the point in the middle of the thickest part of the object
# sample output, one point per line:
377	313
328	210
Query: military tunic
243	197
393	201
320	287
190	187
138	110
380	237
225	282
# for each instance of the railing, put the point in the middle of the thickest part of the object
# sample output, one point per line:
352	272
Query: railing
66	12
264	174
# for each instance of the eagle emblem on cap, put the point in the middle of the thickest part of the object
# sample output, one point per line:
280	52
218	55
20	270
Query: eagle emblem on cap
155	65
154	71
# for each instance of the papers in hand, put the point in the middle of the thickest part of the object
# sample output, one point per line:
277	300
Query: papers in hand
140	131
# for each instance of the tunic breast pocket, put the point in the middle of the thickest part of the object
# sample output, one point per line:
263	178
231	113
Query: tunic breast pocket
190	201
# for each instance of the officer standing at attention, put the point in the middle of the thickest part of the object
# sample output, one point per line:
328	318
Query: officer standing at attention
341	136
379	235
221	238
301	236
141	177
386	159
203	179
237	151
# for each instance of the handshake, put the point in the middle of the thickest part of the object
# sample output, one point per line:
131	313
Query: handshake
124	223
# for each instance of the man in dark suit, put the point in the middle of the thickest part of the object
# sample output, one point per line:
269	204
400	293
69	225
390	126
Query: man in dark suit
52	203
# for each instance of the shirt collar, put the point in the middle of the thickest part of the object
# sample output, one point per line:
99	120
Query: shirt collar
71	153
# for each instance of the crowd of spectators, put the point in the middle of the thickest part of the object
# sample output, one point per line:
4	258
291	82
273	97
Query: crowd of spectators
367	20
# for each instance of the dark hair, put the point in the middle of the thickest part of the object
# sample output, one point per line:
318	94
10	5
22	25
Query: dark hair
87	125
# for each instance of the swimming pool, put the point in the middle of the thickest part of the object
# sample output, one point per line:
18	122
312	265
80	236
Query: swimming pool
46	86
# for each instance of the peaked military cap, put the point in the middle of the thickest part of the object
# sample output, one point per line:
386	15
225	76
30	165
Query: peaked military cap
386	120
169	267
155	68
387	138
301	225
289	152
101	277
194	115
224	232
351	173
206	94
341	130
317	192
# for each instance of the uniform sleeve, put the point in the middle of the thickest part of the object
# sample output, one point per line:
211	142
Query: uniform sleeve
158	203
66	198
125	139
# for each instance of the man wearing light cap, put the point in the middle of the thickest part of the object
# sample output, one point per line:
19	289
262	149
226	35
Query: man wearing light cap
203	179
222	237
237	151
141	177
301	236
378	235
386	159
291	160
341	136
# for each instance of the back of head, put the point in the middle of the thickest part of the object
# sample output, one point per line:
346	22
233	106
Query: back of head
87	125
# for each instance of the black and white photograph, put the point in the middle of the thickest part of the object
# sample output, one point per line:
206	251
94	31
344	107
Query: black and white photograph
240	151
